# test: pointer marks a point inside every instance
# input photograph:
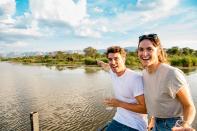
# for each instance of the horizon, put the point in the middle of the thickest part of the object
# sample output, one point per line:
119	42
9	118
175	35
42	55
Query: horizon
47	26
80	50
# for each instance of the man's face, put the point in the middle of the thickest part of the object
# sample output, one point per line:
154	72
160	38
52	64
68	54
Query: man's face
116	62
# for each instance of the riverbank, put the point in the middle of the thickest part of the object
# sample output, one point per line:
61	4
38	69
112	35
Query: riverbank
180	57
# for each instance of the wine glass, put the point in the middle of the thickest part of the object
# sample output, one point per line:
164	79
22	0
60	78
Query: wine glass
179	123
178	126
108	95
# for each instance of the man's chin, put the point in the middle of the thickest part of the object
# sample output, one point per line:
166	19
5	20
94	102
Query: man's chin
114	70
145	64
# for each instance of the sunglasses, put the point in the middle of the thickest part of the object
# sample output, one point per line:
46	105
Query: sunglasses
149	36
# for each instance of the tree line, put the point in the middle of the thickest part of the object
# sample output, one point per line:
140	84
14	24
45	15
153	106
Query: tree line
183	57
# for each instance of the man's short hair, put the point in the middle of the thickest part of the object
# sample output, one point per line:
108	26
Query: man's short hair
116	49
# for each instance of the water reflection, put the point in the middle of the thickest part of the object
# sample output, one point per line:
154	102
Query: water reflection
88	69
62	67
92	69
187	71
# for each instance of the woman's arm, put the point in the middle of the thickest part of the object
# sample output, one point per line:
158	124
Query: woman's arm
189	110
183	129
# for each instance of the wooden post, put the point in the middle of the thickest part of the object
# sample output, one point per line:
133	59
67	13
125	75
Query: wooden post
34	121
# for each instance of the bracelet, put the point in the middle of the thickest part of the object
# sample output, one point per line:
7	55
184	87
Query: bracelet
185	123
182	123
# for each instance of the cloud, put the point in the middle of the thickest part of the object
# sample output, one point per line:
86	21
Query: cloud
74	21
162	5
98	10
90	28
18	44
48	18
22	32
63	18
7	9
57	17
158	9
145	13
14	34
58	10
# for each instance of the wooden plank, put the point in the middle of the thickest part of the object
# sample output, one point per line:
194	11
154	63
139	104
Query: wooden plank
34	119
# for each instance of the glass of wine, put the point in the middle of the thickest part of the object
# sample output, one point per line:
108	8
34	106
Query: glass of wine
179	126
107	96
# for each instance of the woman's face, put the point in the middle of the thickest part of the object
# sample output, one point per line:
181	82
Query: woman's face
147	53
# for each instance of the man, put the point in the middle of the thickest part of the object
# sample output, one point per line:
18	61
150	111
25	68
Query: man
129	94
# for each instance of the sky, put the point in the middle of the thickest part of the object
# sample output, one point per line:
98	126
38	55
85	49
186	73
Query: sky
51	25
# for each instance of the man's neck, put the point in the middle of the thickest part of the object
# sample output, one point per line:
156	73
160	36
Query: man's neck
121	72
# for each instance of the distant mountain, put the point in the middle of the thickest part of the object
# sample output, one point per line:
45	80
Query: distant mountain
129	49
101	51
36	53
23	54
74	51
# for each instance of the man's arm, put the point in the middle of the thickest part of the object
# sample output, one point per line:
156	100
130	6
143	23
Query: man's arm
151	123
138	107
104	65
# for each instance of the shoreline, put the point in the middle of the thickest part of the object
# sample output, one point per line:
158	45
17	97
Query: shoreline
82	65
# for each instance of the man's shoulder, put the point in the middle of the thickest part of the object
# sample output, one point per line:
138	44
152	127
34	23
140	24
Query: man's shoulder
134	73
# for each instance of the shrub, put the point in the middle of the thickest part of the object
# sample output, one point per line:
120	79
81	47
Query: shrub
104	59
175	61
90	61
186	61
132	61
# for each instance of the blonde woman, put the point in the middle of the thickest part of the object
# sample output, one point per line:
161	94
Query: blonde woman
166	90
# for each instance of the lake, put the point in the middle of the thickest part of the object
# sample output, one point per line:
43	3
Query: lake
66	98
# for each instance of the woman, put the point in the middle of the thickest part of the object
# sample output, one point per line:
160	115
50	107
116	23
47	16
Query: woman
166	91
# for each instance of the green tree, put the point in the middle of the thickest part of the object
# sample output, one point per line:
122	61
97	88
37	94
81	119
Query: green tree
90	61
173	51
185	51
60	55
90	51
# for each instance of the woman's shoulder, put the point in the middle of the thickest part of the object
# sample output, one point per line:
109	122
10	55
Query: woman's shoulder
171	69
168	67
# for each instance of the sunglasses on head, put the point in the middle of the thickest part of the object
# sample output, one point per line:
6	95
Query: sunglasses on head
149	36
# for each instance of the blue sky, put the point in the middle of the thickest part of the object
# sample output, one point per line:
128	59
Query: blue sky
50	25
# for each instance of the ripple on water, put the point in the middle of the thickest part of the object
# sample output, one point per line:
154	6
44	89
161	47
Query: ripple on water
81	114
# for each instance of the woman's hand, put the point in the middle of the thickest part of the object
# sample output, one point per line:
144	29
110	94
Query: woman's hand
183	129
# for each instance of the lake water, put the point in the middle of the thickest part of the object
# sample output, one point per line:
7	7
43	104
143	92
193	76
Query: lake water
67	99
